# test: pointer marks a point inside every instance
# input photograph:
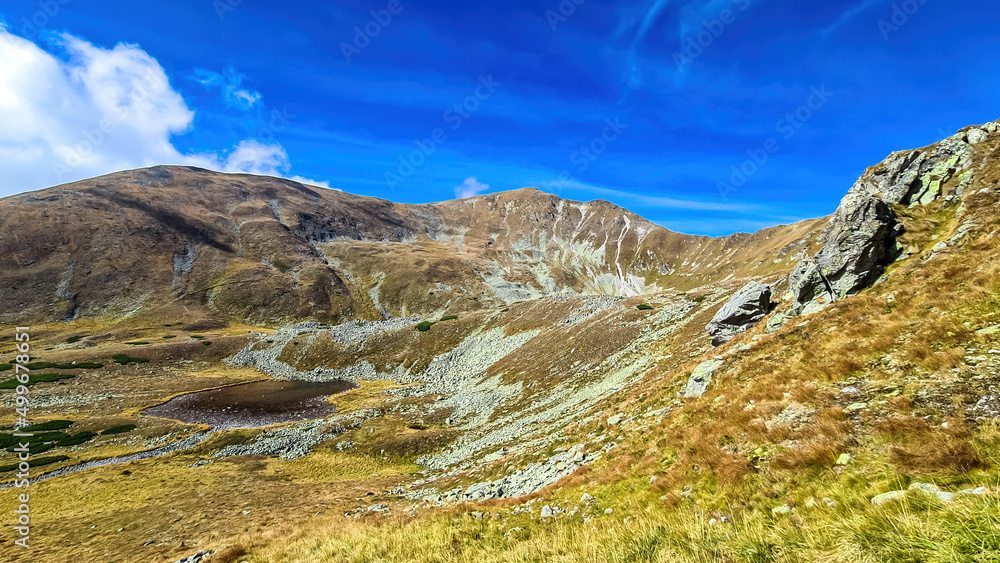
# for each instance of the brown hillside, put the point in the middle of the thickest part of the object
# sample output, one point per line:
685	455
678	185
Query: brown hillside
169	239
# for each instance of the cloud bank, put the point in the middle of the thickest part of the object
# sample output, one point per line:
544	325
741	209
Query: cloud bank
79	111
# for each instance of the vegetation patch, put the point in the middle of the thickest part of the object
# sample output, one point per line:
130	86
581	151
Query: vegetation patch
45	441
170	336
644	307
121	429
137	343
425	326
197	337
125	359
448	318
50	365
73	339
36	462
36	378
48	425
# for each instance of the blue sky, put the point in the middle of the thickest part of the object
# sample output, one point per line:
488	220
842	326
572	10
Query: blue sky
650	104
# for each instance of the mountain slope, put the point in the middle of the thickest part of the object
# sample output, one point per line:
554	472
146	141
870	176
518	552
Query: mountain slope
263	249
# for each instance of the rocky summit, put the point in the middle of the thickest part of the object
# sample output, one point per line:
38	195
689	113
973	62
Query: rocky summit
519	372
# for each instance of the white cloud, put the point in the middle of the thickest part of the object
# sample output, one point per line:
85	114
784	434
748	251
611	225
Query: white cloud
85	111
646	200
254	157
470	188
229	83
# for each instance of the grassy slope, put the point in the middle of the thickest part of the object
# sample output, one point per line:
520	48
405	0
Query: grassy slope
915	360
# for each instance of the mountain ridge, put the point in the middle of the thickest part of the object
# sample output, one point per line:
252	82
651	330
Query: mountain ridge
331	255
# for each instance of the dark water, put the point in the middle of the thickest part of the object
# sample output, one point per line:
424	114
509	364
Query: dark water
252	405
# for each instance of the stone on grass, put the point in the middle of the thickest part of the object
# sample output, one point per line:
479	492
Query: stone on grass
742	311
885	498
700	378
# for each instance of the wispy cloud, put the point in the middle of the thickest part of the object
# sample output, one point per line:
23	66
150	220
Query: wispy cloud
230	83
642	25
849	15
648	200
470	188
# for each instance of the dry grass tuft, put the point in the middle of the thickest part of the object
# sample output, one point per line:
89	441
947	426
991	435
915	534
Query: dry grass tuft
228	554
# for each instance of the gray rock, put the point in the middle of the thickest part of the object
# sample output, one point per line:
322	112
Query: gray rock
934	491
860	240
742	311
777	321
975	136
546	511
478	491
700	378
885	498
859	243
979	491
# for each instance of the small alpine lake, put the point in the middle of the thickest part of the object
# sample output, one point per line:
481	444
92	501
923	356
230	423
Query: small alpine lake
253	405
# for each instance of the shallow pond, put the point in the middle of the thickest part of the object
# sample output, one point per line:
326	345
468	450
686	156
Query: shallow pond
252	405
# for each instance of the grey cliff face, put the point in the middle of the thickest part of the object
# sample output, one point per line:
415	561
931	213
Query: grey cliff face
861	239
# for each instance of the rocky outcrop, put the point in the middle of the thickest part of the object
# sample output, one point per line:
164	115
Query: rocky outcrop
859	243
860	240
916	177
742	311
700	378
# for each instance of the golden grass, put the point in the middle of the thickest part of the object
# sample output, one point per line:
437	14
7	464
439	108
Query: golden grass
914	530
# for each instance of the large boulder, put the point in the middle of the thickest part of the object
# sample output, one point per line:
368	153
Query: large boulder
859	243
743	310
